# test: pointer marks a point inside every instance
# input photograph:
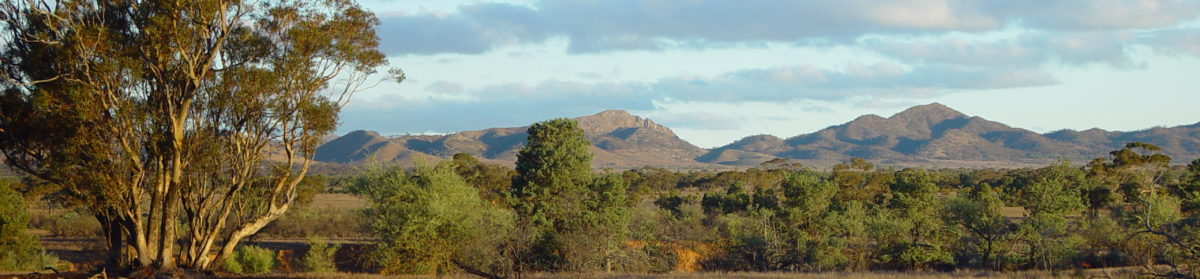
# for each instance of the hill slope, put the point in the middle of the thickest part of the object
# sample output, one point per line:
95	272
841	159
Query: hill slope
930	134
619	140
936	132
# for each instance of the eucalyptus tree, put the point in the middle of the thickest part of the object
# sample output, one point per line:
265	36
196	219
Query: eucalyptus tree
159	116
1137	168
917	238
1053	194
978	212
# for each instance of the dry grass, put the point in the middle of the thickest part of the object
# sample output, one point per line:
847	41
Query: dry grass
337	201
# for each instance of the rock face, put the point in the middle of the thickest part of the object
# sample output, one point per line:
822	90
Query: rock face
917	136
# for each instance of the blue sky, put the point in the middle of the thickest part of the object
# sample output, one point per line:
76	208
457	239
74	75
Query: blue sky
715	71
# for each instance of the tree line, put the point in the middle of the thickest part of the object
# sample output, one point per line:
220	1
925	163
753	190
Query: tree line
553	214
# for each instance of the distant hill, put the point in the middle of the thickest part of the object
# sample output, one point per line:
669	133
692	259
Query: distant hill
927	135
619	140
935	132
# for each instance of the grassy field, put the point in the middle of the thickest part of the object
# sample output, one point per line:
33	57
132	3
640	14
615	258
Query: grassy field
337	201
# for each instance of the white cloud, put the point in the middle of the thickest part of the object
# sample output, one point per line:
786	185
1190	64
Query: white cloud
1098	14
1175	41
607	25
856	53
523	102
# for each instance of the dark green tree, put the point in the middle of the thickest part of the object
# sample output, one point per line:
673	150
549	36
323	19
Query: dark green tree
818	237
735	199
553	172
671	202
1189	191
493	181
579	219
921	239
19	250
978	212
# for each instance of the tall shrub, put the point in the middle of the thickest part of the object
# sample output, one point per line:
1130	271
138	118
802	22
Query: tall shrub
18	249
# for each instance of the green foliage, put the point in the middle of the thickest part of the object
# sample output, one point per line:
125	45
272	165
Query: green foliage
755	243
978	212
1130	171
650	179
319	257
817	235
494	182
1104	242
1053	195
858	182
1166	235
579	220
671	202
595	239
1189	188
807	196
913	236
250	259
427	219
733	200
1157	210
783	219
19	251
175	132
552	168
848	226
751	179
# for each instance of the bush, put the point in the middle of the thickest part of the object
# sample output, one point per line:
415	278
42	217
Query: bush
250	259
319	257
429	219
19	251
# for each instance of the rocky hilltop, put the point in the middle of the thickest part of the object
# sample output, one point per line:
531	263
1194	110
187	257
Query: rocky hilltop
619	140
932	134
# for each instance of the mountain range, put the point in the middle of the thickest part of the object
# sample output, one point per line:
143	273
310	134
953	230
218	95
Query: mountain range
926	135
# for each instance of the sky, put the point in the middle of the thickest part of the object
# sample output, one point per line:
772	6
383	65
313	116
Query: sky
715	71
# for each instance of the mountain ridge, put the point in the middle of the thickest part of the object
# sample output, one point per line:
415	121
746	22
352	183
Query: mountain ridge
619	140
919	135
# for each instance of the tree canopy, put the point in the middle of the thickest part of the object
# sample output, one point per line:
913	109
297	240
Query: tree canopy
159	115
